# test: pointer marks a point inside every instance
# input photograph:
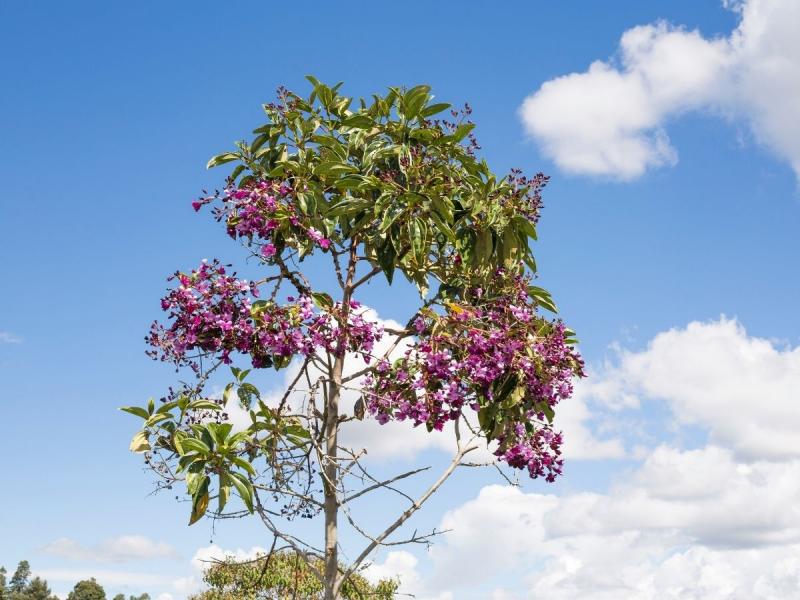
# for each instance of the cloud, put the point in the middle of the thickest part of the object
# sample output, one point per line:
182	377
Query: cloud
9	338
106	577
121	549
742	389
720	519
610	120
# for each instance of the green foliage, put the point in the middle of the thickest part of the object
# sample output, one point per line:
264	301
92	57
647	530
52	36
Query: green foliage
87	589
22	587
387	173
284	577
19	580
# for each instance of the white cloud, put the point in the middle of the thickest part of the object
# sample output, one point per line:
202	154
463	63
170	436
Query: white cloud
610	119
743	389
106	577
9	338
718	521
121	549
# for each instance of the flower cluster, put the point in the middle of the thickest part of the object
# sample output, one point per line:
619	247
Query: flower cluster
214	314
265	213
211	312
283	331
494	354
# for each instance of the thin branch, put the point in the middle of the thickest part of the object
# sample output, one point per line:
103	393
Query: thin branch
412	509
381	484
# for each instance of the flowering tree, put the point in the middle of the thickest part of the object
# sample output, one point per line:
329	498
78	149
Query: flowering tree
379	189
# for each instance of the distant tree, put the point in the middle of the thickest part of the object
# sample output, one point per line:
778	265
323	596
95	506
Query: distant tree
119	597
283	575
22	587
87	589
144	596
19	580
37	589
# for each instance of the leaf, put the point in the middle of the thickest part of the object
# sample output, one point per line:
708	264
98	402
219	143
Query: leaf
246	393
219	431
177	440
359	121
224	491
243	464
194	478
462	131
322	300
227	395
199	503
165	408
192	443
542	298
221	159
139	443
386	256
156	418
358	409
204	405
136	410
433	109
243	488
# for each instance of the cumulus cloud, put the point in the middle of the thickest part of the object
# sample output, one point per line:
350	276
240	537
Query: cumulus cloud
743	389
716	520
121	549
610	120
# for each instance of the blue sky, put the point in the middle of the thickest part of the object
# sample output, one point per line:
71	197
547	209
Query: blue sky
110	111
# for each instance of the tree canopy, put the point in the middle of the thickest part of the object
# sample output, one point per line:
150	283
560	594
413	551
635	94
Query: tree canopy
377	188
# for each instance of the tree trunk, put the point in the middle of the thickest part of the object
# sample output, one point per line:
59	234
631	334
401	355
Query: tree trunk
331	473
331	466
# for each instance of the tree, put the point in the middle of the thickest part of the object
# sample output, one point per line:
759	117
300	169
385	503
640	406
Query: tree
22	587
19	580
88	589
383	188
283	576
37	589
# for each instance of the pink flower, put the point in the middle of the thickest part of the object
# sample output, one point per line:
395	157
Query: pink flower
268	250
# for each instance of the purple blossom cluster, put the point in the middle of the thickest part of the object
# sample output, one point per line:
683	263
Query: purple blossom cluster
213	314
495	355
259	210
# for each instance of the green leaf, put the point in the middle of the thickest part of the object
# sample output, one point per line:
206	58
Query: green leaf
204	405
165	408
542	298
227	395
156	418
219	431
243	464
462	131
199	502
221	159
322	300
196	445
434	109
139	443
136	410
246	393
243	488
